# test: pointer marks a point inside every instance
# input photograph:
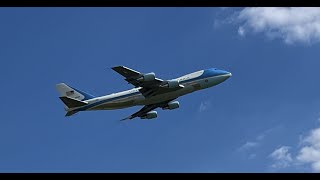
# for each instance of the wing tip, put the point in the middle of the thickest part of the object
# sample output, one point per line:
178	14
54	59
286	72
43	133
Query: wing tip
127	118
70	113
115	67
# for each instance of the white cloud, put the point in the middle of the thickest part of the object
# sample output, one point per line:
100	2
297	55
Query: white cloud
204	106
310	152
296	24
282	158
316	166
314	138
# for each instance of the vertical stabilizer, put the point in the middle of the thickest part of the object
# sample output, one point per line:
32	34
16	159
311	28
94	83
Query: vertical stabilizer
68	91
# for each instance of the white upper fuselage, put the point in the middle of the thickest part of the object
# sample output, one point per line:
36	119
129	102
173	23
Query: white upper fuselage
191	82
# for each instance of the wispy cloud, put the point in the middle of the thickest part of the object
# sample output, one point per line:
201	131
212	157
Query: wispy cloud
252	156
241	31
292	25
204	105
248	145
282	158
258	139
265	133
248	149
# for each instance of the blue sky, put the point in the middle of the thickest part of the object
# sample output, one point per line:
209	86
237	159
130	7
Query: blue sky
265	118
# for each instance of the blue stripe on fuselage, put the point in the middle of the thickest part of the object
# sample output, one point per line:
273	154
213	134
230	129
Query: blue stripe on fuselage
106	100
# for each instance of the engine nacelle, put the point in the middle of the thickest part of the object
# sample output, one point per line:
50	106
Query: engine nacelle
150	115
148	77
173	83
172	105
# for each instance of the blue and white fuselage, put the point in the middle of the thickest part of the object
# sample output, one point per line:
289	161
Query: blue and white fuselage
191	82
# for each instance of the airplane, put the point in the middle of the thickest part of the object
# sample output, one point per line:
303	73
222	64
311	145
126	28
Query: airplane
149	92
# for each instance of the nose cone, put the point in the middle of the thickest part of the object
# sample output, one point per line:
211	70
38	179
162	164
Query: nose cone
224	73
228	74
218	72
217	75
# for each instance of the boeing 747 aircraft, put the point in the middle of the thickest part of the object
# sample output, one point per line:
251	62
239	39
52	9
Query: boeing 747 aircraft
149	91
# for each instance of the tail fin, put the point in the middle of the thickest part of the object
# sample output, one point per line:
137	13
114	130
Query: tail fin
70	92
72	98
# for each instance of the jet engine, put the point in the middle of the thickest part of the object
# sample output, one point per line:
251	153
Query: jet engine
171	84
172	105
147	77
150	115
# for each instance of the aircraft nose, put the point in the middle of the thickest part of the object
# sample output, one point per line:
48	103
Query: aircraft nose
228	74
218	72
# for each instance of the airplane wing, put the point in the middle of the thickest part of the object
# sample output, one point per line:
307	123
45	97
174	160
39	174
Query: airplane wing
135	78
142	112
150	84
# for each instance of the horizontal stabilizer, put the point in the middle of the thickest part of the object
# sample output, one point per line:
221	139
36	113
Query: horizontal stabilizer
72	103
